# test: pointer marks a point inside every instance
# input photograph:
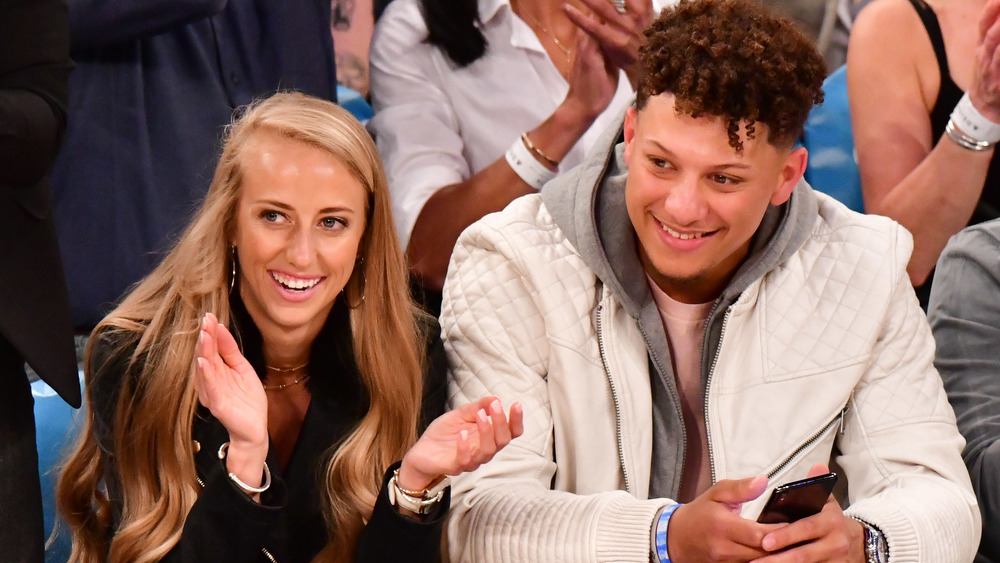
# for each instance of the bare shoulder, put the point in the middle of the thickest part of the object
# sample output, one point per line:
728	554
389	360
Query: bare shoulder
888	24
890	56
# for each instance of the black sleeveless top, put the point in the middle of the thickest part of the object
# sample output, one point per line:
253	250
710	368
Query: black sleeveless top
948	96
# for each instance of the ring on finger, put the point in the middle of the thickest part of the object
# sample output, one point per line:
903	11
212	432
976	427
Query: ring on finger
619	6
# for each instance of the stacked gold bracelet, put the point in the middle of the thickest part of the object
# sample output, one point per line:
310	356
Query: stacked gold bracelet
553	163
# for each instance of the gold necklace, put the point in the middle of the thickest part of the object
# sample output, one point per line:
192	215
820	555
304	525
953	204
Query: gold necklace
287	370
281	386
567	52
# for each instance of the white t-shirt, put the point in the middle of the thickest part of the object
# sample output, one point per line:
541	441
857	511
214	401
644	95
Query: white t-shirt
437	124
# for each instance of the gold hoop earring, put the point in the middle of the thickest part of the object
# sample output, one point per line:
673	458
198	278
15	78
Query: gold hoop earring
232	272
361	262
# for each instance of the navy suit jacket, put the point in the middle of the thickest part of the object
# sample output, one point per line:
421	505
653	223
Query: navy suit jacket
156	83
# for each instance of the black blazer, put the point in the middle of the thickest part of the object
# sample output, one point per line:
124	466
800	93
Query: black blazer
34	77
224	524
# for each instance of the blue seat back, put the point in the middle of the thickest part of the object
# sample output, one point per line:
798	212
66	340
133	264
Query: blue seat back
833	165
354	102
56	426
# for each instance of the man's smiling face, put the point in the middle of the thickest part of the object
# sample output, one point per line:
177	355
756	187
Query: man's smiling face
695	202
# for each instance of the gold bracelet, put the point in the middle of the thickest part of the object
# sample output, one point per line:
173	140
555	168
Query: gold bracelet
418	502
531	147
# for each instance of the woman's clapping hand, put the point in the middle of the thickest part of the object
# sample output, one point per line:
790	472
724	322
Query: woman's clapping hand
460	440
228	386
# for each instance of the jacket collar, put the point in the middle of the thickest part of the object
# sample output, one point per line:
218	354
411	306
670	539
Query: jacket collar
588	204
334	375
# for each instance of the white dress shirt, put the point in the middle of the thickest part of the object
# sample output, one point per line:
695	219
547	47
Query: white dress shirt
437	124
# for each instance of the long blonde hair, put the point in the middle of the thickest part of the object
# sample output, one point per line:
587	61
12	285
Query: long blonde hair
153	417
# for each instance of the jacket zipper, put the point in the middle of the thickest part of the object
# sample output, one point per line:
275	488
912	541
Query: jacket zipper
708	383
263	550
614	396
812	439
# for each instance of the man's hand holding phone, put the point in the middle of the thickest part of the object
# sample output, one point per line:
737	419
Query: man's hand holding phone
825	536
710	527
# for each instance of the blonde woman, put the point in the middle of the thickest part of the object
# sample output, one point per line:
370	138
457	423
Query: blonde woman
249	398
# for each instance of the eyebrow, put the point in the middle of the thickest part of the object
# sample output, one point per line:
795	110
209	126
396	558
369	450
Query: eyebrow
286	207
671	155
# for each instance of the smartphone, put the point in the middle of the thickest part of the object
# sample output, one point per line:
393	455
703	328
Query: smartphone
798	499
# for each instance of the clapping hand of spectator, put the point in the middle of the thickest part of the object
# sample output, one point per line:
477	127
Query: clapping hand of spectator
228	386
593	80
460	440
619	34
985	90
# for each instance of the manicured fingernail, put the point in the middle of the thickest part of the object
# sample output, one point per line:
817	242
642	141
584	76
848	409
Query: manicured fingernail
481	415
768	543
496	408
463	435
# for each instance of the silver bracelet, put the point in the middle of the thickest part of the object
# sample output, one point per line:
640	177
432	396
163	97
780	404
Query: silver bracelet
525	165
223	449
965	141
974	125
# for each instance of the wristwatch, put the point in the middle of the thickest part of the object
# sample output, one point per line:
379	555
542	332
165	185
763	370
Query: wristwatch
419	502
876	549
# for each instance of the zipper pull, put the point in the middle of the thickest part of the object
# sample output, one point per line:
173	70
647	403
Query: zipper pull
843	414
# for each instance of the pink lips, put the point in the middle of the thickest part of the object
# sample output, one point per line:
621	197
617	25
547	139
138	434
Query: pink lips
295	288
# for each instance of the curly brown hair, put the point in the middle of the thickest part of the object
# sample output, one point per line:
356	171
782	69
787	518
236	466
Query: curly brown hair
736	60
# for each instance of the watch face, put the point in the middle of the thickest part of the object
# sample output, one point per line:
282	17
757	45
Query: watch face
876	550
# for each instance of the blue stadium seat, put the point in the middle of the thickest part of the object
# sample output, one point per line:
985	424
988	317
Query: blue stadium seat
354	102
56	425
833	164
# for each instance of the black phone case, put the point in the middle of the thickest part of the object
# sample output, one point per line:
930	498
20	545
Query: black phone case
798	499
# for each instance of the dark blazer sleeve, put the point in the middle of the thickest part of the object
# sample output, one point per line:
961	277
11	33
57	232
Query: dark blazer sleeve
34	82
390	536
224	524
99	23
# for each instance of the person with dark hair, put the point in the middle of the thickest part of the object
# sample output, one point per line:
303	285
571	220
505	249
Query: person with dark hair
688	325
478	102
259	395
923	81
964	314
34	307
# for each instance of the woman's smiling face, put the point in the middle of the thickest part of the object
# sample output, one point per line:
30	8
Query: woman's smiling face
299	223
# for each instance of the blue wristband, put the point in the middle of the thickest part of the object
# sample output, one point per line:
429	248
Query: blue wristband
661	532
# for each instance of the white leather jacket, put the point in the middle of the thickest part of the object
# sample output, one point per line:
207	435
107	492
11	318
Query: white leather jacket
818	352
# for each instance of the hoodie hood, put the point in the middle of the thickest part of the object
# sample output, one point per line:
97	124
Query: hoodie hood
588	204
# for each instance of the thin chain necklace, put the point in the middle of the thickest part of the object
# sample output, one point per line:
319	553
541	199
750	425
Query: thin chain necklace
287	370
567	52
281	386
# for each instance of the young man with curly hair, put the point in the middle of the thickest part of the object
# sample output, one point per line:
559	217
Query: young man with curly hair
689	325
